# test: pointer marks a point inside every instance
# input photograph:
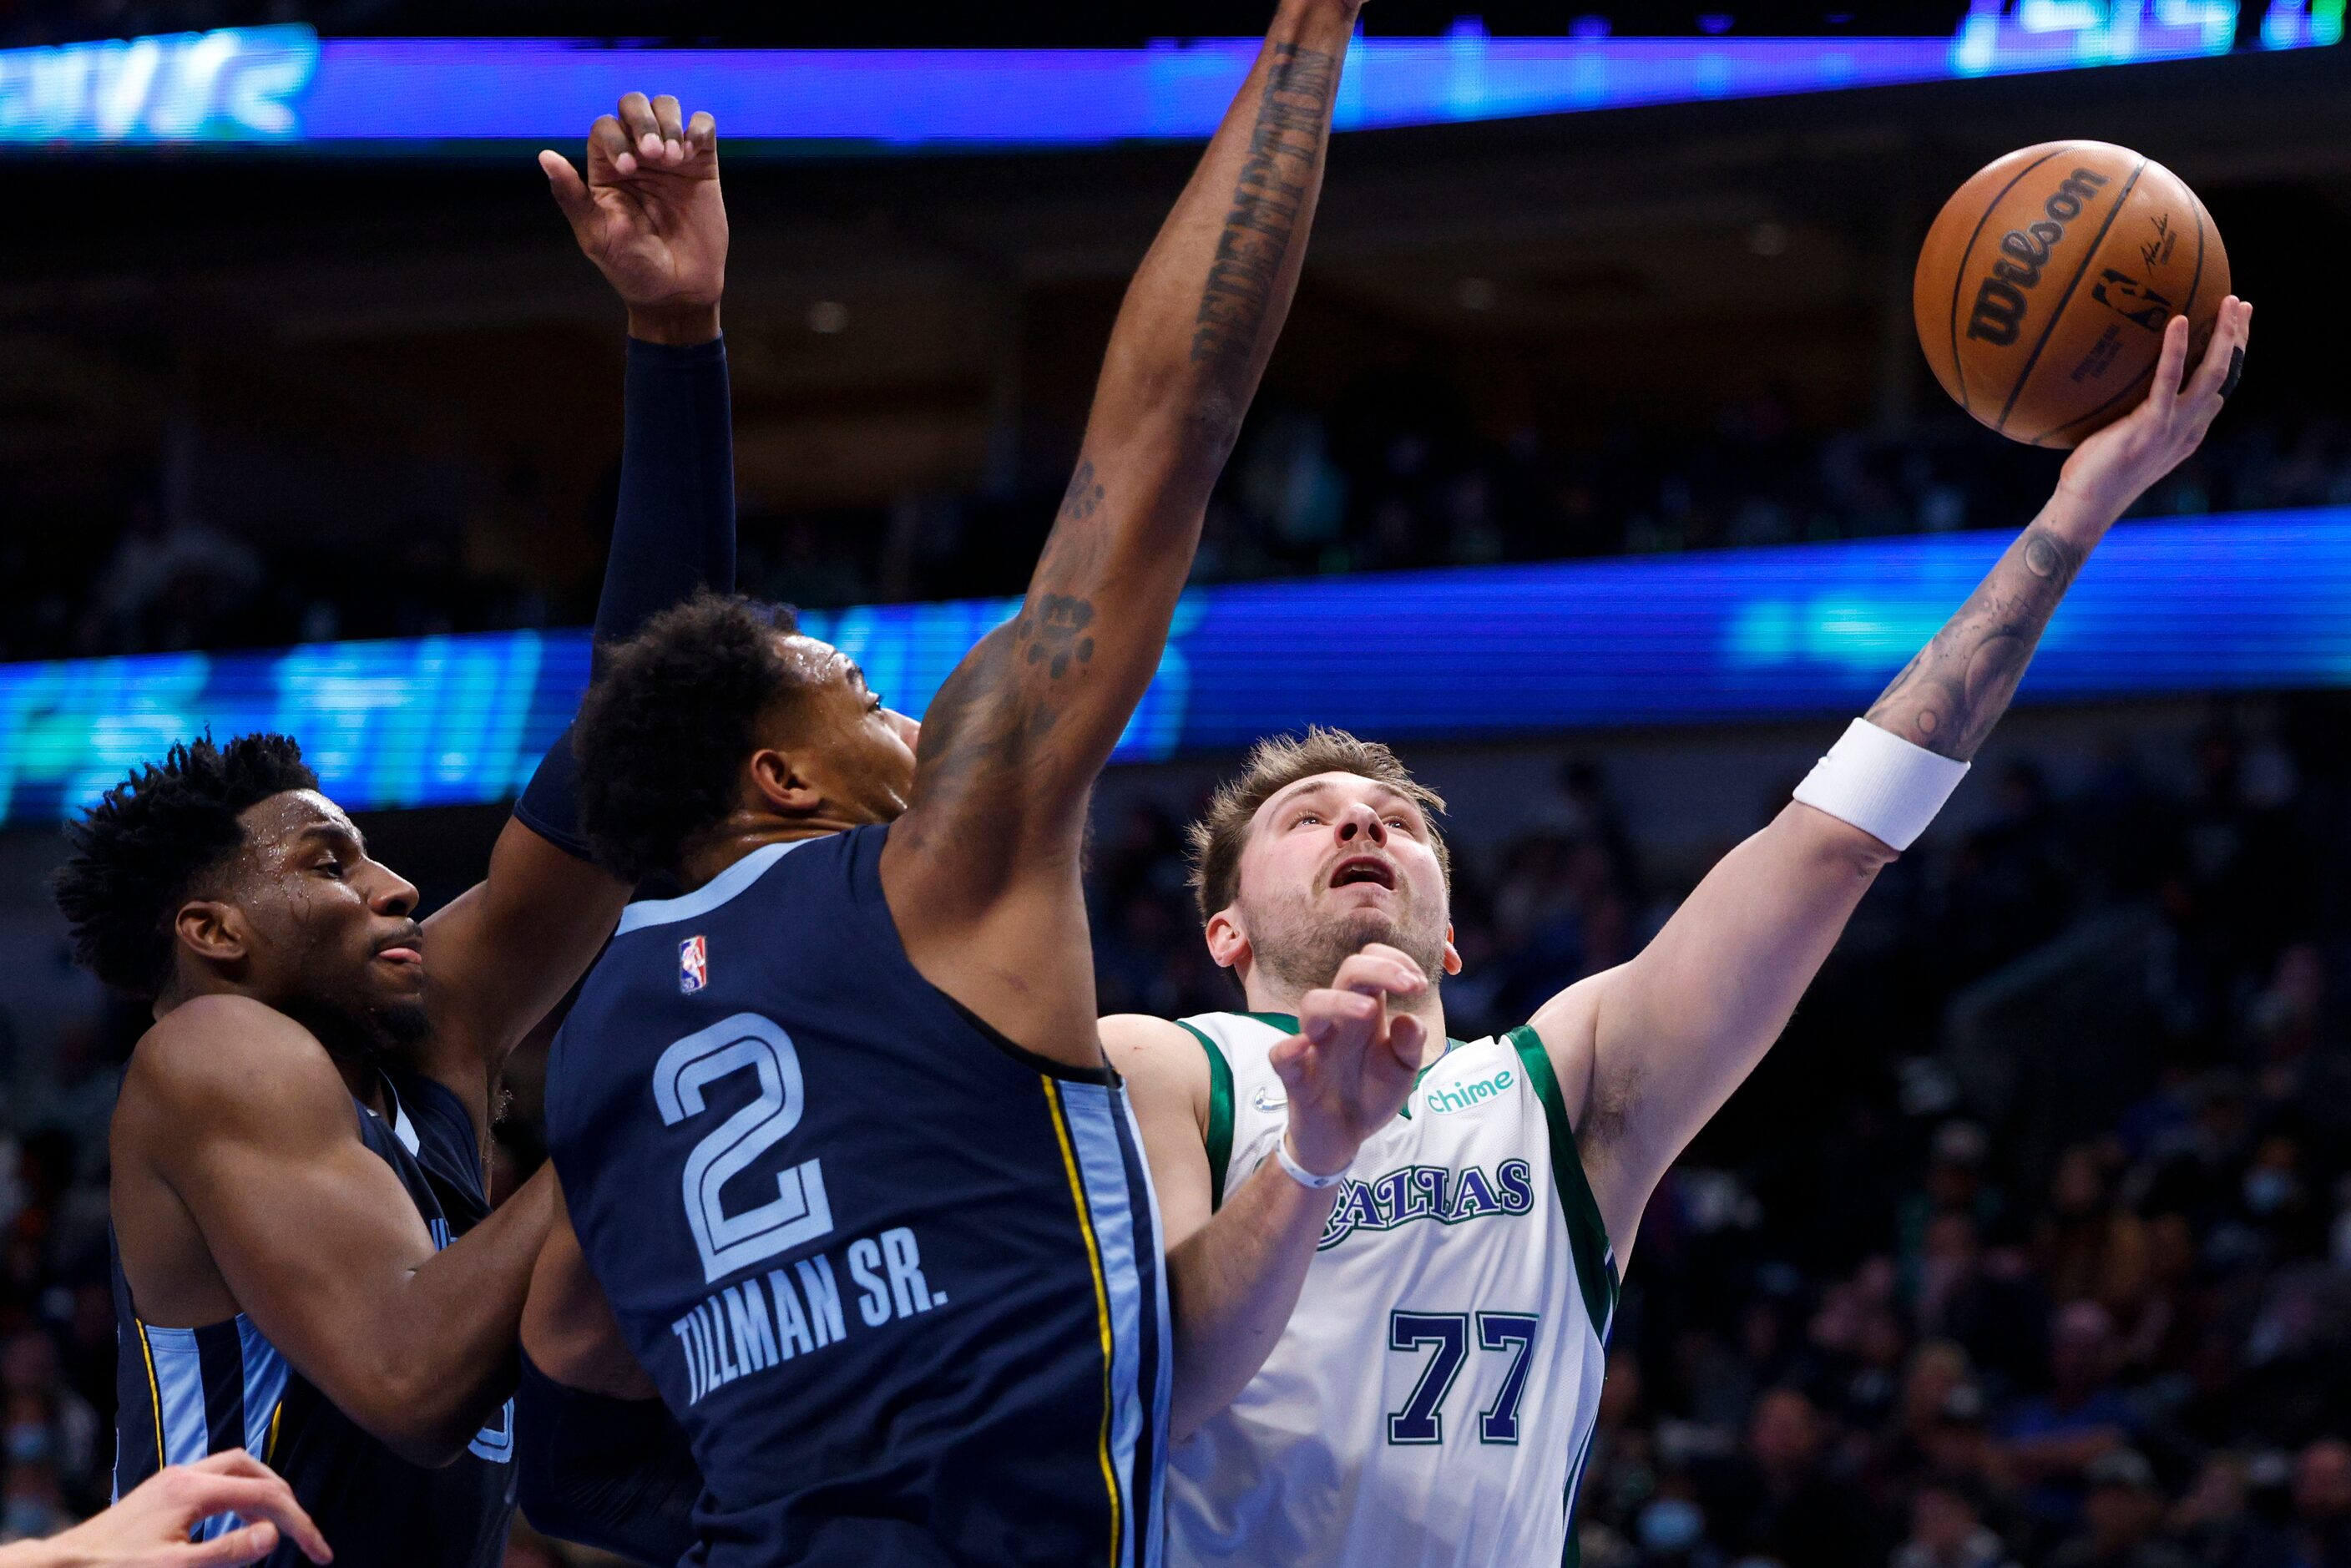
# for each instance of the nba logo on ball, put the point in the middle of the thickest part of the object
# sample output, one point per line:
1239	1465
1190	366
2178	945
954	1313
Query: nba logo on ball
693	965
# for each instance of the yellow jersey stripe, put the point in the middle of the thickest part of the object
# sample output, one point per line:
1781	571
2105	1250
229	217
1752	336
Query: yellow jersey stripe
1102	1302
154	1393
269	1447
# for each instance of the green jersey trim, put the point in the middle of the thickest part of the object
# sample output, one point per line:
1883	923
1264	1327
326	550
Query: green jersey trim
1587	1234
1221	1115
1451	1045
1286	1023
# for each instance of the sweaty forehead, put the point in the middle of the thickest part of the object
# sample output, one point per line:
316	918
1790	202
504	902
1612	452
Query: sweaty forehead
815	662
282	818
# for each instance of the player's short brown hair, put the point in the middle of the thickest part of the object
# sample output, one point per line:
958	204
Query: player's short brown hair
1273	764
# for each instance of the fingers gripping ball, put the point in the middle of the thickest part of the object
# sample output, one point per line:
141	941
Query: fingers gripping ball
2044	286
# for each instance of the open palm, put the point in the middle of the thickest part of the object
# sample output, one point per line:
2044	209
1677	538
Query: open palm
649	213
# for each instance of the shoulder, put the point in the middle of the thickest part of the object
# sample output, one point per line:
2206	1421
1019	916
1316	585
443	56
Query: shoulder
1156	1056
229	1060
1569	1028
794	870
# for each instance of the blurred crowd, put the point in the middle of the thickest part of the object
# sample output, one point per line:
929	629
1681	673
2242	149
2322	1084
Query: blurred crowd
1876	1318
1387	478
32	22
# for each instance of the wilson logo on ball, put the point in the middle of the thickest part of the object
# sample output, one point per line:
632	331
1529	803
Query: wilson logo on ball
1999	314
2045	283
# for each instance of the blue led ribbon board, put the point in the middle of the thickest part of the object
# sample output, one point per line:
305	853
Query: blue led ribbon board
2258	602
284	86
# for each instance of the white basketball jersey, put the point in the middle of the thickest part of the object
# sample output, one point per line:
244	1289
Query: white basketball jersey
1433	1398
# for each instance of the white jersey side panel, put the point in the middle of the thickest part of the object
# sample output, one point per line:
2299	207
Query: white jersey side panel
1432	1399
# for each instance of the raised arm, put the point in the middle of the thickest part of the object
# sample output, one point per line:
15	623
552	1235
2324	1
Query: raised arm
236	1112
1649	1052
650	215
1012	743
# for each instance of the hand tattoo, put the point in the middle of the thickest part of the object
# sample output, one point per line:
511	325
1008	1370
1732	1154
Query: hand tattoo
1950	695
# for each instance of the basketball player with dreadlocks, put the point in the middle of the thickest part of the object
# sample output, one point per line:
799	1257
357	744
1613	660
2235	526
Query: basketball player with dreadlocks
306	1265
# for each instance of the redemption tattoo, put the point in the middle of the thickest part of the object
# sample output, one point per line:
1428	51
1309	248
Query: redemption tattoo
1948	697
1275	181
999	714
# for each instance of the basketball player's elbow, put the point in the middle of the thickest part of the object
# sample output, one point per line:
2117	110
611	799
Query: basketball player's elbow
1178	426
421	1413
416	1436
1209	426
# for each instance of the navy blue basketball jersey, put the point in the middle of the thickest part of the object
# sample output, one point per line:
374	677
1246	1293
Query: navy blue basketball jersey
898	1277
184	1393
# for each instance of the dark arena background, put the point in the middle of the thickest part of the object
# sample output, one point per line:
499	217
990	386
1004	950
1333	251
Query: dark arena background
1598	470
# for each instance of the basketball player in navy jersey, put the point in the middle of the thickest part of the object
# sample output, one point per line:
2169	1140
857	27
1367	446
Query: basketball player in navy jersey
835	1127
308	1268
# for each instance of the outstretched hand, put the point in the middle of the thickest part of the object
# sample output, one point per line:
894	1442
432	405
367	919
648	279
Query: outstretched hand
1353	1063
148	1528
2115	466
650	215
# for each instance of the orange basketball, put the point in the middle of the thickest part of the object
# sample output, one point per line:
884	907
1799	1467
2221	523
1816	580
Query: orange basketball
2043	287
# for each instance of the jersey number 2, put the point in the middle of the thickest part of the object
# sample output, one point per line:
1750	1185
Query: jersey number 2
799	1212
1420	1420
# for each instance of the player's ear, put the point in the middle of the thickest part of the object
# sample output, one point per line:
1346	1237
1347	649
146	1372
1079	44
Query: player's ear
1452	954
781	786
1229	944
213	930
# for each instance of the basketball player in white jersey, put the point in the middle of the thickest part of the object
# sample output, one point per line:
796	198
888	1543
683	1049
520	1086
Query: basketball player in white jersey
1391	1298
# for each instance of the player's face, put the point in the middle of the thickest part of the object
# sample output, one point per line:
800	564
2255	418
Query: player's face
1334	862
858	753
329	935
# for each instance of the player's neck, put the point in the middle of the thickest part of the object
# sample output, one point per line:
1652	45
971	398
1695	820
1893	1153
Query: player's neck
1265	996
744	835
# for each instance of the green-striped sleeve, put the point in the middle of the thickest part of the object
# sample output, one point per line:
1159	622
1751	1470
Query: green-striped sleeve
1221	1115
1587	1234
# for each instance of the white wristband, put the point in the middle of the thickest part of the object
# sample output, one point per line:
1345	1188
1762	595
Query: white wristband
1881	783
1299	1174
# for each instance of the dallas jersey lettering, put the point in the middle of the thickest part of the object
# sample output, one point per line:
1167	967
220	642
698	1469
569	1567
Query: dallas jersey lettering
1433	1397
184	1393
897	1278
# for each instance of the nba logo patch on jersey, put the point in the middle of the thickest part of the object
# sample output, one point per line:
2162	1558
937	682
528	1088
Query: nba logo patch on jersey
693	965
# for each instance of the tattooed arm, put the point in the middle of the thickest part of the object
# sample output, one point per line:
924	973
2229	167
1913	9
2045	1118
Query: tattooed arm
982	871
1649	1052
